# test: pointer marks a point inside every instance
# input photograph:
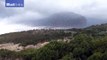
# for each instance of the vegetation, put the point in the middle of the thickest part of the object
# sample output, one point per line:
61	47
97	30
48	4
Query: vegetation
33	36
87	44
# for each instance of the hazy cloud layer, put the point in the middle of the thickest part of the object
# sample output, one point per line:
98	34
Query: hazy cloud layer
94	10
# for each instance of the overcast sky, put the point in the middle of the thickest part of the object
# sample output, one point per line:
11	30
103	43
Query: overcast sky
93	10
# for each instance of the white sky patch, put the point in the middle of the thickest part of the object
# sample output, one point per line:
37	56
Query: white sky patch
6	28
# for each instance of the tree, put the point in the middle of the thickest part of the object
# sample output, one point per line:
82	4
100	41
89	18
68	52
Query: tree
68	57
104	57
96	56
45	54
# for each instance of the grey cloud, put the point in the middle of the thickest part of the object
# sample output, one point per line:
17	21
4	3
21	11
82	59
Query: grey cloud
47	8
63	19
4	11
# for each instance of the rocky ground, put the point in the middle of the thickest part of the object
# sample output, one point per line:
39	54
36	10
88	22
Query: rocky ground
17	47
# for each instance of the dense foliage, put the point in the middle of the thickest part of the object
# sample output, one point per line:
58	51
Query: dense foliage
87	44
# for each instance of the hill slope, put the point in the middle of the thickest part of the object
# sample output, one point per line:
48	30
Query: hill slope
33	36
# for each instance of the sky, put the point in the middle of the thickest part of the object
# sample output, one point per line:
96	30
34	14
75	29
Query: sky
13	19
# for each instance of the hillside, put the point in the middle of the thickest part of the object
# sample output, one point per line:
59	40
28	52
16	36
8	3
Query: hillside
84	44
33	36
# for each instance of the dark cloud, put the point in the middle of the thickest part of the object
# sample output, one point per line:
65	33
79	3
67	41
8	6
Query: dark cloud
62	19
